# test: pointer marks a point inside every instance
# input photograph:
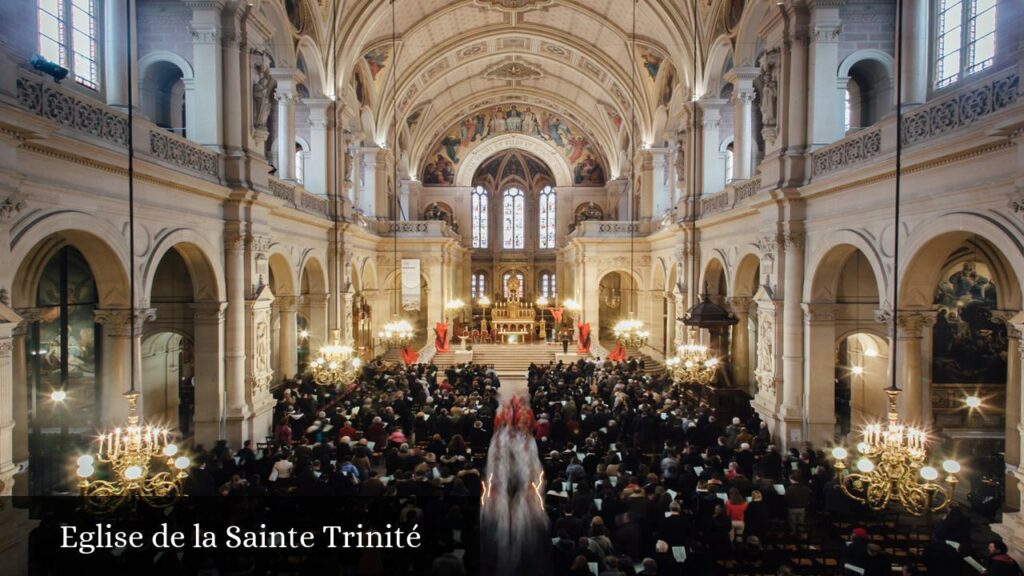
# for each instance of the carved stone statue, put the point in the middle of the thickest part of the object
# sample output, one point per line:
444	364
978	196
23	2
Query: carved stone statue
262	96
769	93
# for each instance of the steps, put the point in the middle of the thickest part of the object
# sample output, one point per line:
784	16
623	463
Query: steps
507	359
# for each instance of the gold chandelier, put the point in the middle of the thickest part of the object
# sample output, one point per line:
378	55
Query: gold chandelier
336	364
631	333
692	364
891	468
130	453
397	333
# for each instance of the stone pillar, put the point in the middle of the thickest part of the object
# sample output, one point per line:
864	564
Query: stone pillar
740	364
316	313
643	204
21	402
826	102
914	60
209	79
236	103
383	173
317	169
714	170
115	59
365	174
288	364
909	325
793	338
820	321
116	371
1011	529
210	395
8	322
287	95
1012	451
661	194
743	136
234	337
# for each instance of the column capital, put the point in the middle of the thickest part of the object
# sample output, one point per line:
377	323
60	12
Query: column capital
287	80
818	313
118	321
794	240
287	303
742	77
208	312
911	323
739	305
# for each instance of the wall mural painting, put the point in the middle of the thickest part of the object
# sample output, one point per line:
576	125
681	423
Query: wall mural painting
969	346
376	61
652	62
514	119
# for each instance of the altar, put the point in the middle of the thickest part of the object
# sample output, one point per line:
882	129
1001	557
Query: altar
512	319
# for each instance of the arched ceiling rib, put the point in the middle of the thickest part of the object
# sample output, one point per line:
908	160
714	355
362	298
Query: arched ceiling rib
448	50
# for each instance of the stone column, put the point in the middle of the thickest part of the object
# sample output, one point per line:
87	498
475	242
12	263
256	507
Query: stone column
236	103
916	40
714	171
316	313
317	169
8	322
644	201
820	321
365	175
740	365
793	338
661	172
742	138
116	372
207	65
909	326
826	102
234	337
115	59
287	95
288	364
21	402
1012	451
1011	529
210	395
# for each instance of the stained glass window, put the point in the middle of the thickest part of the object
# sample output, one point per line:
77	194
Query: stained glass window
548	288
513	219
478	285
504	284
966	39
547	217
55	37
479	217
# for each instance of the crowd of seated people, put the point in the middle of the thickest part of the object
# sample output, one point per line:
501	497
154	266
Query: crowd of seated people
646	479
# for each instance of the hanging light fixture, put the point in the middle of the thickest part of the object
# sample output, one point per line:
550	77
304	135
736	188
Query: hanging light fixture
398	332
631	332
693	363
337	364
145	465
891	469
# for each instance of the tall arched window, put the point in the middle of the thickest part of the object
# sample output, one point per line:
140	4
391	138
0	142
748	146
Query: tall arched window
966	39
300	164
547	217
548	288
478	285
729	158
513	218
68	35
478	213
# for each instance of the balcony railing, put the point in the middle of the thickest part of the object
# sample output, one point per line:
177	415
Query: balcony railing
961	109
854	149
300	198
610	228
729	197
88	118
416	228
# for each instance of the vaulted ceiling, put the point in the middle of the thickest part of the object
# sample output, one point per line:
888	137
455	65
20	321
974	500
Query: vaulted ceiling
440	61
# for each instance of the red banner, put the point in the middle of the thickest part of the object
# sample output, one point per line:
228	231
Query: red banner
618	354
441	340
584	337
409	356
556	313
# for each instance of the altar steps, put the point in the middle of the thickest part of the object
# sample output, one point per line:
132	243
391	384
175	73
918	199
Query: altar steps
508	360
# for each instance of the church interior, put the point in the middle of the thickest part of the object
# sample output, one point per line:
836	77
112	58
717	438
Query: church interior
609	287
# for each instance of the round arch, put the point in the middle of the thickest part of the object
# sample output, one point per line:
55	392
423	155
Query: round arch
932	243
207	279
560	168
36	241
284	277
745	280
714	269
866	54
828	260
312	269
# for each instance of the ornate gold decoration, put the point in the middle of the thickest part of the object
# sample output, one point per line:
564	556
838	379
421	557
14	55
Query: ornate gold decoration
337	363
129	452
891	469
